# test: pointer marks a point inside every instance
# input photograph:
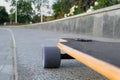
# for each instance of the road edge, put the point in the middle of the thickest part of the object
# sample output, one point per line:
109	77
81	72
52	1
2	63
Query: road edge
15	70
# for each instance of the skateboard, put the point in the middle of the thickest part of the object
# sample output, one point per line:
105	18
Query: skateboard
103	57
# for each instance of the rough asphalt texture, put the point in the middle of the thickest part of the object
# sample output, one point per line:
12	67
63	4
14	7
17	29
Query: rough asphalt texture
29	44
6	62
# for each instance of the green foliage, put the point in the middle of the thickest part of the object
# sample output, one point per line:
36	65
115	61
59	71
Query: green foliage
24	11
12	17
36	19
38	3
61	7
106	3
4	17
78	11
57	7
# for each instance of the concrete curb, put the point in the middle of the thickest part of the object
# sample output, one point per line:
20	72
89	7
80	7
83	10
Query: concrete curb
15	72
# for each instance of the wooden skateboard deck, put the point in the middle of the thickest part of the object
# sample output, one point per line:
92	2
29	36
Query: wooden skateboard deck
103	57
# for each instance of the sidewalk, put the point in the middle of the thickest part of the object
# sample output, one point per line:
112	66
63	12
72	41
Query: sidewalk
6	61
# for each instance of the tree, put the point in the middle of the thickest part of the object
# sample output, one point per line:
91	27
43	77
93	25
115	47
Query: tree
39	3
25	7
36	19
61	7
106	3
24	11
4	17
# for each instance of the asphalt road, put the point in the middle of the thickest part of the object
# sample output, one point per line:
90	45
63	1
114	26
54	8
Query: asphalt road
29	43
6	61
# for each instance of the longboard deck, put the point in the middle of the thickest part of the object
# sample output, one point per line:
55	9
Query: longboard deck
103	57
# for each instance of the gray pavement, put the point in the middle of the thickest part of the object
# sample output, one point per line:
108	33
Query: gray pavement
6	62
29	58
29	44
